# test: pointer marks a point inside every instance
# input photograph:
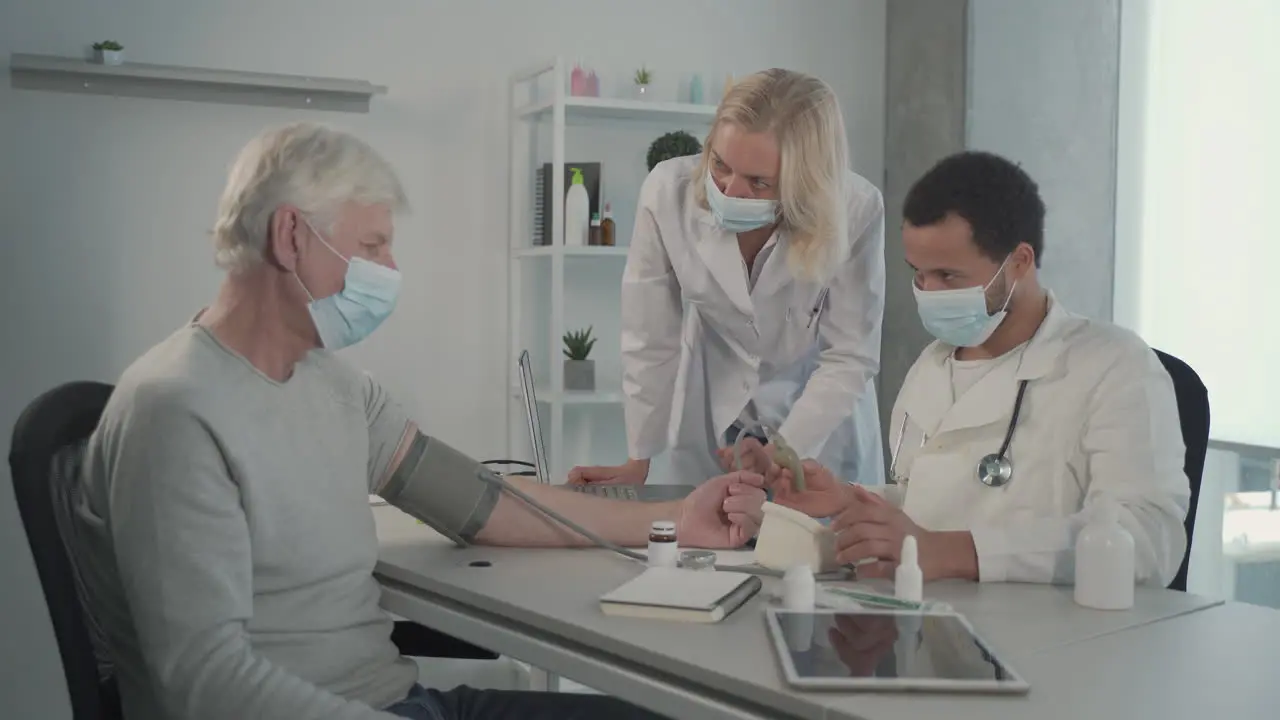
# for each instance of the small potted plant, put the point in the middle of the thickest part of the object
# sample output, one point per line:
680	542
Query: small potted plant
642	79
579	371
672	145
108	52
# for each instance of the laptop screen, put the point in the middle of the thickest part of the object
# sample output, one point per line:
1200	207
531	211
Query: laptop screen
533	419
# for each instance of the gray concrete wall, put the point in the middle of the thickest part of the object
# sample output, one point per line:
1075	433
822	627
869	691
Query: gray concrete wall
1034	80
1043	83
925	115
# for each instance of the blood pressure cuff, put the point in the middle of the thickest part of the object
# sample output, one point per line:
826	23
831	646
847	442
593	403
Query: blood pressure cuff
443	488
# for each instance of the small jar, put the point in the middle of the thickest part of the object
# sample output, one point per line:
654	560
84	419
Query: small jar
664	551
698	560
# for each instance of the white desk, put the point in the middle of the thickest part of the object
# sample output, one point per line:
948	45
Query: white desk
1216	664
541	606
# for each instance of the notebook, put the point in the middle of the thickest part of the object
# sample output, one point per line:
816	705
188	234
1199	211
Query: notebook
662	593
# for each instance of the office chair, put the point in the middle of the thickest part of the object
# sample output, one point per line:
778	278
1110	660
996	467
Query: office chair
1193	415
60	418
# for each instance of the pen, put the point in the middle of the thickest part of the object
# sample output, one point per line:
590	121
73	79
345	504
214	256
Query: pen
817	306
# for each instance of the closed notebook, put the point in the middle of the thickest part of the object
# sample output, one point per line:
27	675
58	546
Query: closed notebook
663	593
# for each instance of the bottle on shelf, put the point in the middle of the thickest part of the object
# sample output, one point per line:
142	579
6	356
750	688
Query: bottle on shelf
695	90
578	80
593	237
577	211
606	227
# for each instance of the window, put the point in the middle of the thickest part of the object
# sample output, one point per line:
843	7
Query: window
1198	252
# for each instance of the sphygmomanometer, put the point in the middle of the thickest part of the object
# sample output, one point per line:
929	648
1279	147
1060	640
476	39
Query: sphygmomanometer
455	495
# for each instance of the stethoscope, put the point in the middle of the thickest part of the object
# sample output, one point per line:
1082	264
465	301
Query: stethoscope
994	470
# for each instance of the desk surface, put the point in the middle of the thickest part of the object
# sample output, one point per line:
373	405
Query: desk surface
555	593
1216	663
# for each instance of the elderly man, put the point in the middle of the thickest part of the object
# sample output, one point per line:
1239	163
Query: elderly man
227	542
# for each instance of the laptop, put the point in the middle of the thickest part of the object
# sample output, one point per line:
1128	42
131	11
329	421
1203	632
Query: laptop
645	493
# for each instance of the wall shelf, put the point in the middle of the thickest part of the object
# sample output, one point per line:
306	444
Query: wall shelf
616	251
586	109
171	82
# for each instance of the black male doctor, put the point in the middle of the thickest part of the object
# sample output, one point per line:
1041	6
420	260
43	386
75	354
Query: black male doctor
1078	412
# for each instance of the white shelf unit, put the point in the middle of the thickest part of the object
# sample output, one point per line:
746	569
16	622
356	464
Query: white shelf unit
539	101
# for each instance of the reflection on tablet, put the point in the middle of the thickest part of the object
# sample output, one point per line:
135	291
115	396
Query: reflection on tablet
885	647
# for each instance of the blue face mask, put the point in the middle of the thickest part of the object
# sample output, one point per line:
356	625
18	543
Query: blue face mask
368	296
960	317
738	215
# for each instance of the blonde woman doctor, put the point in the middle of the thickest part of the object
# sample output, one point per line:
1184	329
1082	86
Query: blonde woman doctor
754	293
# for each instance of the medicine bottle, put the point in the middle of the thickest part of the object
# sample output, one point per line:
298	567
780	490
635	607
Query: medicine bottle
664	551
1105	558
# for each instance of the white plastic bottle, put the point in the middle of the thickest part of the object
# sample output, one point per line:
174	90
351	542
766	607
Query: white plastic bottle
799	589
908	581
1104	562
577	211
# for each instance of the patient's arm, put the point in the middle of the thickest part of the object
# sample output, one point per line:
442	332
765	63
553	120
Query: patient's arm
442	486
514	522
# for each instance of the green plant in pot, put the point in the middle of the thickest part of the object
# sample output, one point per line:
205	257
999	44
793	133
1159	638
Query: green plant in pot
642	79
579	369
108	52
672	145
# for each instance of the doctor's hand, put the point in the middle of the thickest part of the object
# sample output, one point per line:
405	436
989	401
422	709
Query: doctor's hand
723	512
632	472
870	527
756	457
823	495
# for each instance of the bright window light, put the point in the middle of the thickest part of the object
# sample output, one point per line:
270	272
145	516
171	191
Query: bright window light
1199	201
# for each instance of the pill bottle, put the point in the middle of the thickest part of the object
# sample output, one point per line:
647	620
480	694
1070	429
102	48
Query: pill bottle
664	551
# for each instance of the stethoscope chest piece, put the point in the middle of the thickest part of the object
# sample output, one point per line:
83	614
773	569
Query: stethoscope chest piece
994	470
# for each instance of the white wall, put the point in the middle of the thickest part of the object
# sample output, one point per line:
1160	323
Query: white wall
106	201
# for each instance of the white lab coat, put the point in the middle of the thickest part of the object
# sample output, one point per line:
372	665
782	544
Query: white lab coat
1099	421
698	343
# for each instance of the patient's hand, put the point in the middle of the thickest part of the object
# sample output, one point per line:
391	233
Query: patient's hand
723	512
824	495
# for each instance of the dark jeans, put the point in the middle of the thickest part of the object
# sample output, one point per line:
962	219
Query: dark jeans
464	703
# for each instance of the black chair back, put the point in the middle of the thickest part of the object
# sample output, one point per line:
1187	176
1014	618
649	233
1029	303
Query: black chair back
1193	414
59	418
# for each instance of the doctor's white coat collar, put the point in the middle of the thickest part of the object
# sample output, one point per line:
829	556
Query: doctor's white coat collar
926	394
719	249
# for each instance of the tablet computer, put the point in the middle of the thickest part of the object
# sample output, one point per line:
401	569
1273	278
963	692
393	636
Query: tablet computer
861	650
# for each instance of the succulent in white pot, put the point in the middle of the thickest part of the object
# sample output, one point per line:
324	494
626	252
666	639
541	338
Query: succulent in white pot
108	52
642	79
579	371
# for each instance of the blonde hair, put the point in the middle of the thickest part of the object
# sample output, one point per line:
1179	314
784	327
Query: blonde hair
804	117
309	166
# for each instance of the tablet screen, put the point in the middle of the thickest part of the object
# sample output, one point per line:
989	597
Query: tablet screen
887	646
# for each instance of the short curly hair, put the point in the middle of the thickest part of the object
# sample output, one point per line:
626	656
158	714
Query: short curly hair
995	196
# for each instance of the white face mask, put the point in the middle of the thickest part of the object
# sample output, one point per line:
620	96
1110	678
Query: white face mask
959	317
738	215
368	295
